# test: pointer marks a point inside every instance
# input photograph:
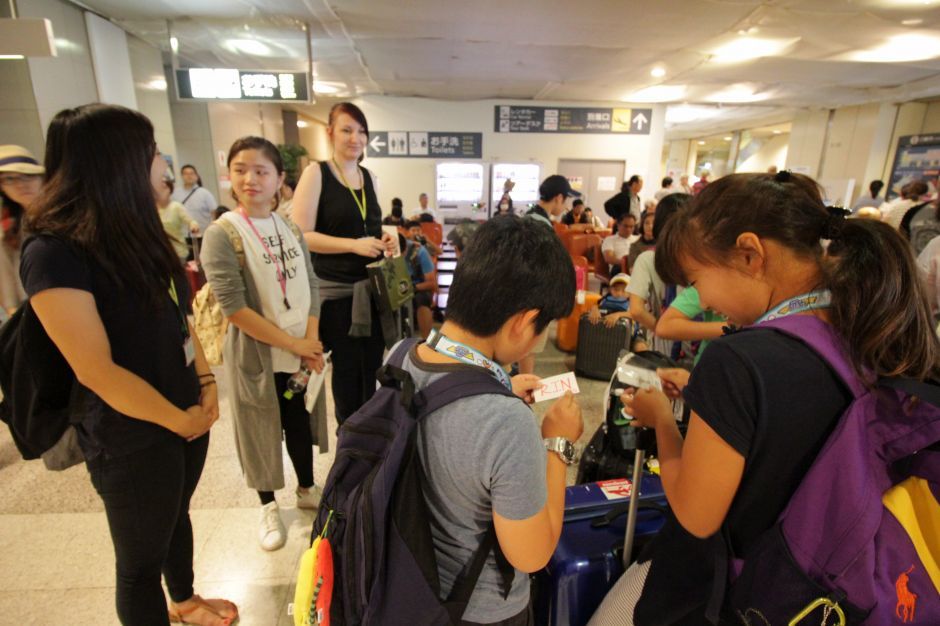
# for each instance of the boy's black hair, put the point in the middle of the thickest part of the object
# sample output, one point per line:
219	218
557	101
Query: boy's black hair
512	264
411	224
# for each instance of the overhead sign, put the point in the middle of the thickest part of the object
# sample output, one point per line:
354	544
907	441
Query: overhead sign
425	145
533	119
201	83
917	158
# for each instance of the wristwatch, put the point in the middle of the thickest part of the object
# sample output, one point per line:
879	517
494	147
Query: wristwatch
563	448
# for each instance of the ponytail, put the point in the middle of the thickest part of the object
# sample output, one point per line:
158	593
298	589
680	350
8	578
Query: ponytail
879	302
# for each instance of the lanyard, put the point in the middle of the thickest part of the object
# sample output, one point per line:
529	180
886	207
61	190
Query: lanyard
184	327
464	353
281	275
800	304
362	183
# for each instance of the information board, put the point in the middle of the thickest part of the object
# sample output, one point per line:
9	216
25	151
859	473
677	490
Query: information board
424	145
200	83
917	158
583	120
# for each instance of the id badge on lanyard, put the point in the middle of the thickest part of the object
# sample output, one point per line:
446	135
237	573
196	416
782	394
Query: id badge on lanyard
189	347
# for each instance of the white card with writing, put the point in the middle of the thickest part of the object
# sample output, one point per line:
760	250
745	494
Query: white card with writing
556	386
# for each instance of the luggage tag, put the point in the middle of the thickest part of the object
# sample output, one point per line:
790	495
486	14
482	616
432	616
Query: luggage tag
189	350
556	386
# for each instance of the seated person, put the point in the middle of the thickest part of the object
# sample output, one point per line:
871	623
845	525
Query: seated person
395	218
485	457
592	220
616	247
423	275
615	305
576	217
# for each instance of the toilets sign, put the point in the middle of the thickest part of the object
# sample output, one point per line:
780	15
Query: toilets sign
424	145
575	120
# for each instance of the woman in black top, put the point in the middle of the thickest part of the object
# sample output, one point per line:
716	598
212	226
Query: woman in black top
336	207
110	292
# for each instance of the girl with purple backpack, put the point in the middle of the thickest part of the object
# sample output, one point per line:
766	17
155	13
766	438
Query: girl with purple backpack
762	247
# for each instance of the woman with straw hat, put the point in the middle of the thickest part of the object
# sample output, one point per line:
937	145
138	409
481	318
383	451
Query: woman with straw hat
20	181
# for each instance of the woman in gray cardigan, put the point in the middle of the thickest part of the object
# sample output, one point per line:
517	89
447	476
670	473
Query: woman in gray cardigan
271	300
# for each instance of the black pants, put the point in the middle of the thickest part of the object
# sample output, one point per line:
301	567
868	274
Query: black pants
146	498
295	421
355	359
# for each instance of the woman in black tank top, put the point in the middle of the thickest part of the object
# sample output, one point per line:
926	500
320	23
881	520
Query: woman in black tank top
336	207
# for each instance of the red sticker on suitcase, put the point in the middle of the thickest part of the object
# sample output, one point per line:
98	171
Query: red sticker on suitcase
616	489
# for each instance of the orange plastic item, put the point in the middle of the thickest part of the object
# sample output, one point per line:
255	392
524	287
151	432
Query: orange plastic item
434	232
560	228
566	337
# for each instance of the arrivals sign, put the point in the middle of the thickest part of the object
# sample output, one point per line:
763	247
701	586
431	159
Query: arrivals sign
200	83
533	119
425	145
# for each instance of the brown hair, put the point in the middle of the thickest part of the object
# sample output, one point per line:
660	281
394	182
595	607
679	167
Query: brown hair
879	306
352	111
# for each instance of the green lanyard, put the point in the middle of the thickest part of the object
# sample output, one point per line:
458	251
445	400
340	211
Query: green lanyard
359	203
184	327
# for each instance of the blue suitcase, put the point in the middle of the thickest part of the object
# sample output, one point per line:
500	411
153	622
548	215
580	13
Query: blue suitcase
589	556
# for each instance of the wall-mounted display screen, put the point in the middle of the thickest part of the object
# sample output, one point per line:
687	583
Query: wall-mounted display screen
200	83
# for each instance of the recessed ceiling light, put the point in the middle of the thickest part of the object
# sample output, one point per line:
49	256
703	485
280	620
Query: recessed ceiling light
701	143
901	48
657	93
913	22
727	138
658	72
747	48
777	132
251	47
325	87
11	56
302	124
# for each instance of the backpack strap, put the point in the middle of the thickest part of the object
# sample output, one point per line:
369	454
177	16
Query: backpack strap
235	238
466	582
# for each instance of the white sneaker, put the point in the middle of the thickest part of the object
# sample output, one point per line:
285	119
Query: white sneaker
309	499
271	533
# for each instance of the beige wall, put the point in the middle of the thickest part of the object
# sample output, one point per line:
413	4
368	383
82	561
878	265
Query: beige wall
19	117
67	80
146	67
807	140
773	152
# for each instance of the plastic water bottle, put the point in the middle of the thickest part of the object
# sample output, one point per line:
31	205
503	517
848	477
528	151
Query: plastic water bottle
298	382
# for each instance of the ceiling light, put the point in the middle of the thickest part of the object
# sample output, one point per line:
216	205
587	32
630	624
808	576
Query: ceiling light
657	93
736	93
914	22
302	124
748	48
325	87
658	72
701	143
727	138
11	56
901	48
251	47
689	113
174	44
777	131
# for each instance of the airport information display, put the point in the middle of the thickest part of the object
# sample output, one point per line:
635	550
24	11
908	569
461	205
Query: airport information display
917	158
533	119
247	85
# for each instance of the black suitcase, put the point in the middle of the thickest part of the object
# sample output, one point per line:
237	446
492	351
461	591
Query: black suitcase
599	346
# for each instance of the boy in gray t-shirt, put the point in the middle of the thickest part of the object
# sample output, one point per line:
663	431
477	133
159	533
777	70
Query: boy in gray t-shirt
484	457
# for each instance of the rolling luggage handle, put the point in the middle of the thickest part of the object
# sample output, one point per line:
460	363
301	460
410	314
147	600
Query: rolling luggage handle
645	440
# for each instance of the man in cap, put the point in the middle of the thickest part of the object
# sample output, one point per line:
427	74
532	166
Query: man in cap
553	197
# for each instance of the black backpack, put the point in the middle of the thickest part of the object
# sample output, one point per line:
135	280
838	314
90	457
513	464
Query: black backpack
375	516
37	384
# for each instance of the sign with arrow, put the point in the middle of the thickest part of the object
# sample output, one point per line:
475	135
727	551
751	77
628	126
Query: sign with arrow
424	145
581	120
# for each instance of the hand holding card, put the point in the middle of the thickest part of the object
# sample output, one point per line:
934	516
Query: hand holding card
556	386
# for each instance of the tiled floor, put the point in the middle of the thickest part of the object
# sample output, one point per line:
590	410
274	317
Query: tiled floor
56	559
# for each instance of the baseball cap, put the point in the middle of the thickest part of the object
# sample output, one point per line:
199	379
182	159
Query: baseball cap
620	278
20	160
554	185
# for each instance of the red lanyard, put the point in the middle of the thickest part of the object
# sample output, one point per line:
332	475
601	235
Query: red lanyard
281	275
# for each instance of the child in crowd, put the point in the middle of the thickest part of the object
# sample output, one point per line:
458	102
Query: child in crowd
763	403
678	321
484	457
273	305
615	305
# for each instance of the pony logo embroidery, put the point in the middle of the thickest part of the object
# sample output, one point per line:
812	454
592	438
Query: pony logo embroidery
906	599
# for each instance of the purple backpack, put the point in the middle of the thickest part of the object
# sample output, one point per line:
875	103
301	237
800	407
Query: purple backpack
374	513
859	541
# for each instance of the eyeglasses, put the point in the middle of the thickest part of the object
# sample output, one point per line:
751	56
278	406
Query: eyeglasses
8	180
